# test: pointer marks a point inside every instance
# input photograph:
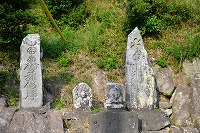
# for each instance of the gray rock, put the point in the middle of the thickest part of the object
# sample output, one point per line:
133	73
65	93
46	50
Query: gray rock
55	122
168	112
164	79
114	97
82	96
190	68
164	102
181	106
99	83
30	72
175	129
2	102
140	82
28	121
114	122
6	115
152	120
189	130
195	113
161	131
77	121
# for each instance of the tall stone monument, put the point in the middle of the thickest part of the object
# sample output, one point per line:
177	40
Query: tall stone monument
82	97
30	72
140	81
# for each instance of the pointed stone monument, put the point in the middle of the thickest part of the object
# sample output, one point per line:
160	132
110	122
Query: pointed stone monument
31	72
140	82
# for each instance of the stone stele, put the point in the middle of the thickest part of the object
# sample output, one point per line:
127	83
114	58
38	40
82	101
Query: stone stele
82	96
140	81
114	96
30	72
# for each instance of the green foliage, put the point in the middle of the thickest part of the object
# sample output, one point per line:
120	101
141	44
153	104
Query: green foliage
68	12
3	76
57	104
64	61
12	101
13	22
188	50
6	89
108	62
152	16
161	62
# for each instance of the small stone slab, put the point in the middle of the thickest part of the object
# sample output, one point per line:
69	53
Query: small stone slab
30	72
114	122
114	96
152	120
140	82
82	96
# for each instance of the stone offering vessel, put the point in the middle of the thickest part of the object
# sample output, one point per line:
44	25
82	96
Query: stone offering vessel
31	72
140	81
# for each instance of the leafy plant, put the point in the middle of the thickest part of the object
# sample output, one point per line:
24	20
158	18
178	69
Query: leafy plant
68	12
152	16
57	104
13	22
188	50
12	101
161	62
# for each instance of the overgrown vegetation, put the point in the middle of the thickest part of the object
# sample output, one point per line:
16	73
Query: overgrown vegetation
96	33
153	16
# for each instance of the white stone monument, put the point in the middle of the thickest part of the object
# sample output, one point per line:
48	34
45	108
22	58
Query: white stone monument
114	96
82	97
31	72
140	82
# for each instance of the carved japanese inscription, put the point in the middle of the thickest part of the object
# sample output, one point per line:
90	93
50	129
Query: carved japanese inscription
140	82
30	72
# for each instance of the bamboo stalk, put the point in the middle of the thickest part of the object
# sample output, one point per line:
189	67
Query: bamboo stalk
52	20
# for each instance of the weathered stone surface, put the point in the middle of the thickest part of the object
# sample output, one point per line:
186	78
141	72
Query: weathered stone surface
140	81
161	131
175	129
164	102
195	113
55	122
28	122
82	96
164	79
152	120
191	68
77	121
99	83
114	97
30	72
6	115
114	122
168	112
181	106
2	102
